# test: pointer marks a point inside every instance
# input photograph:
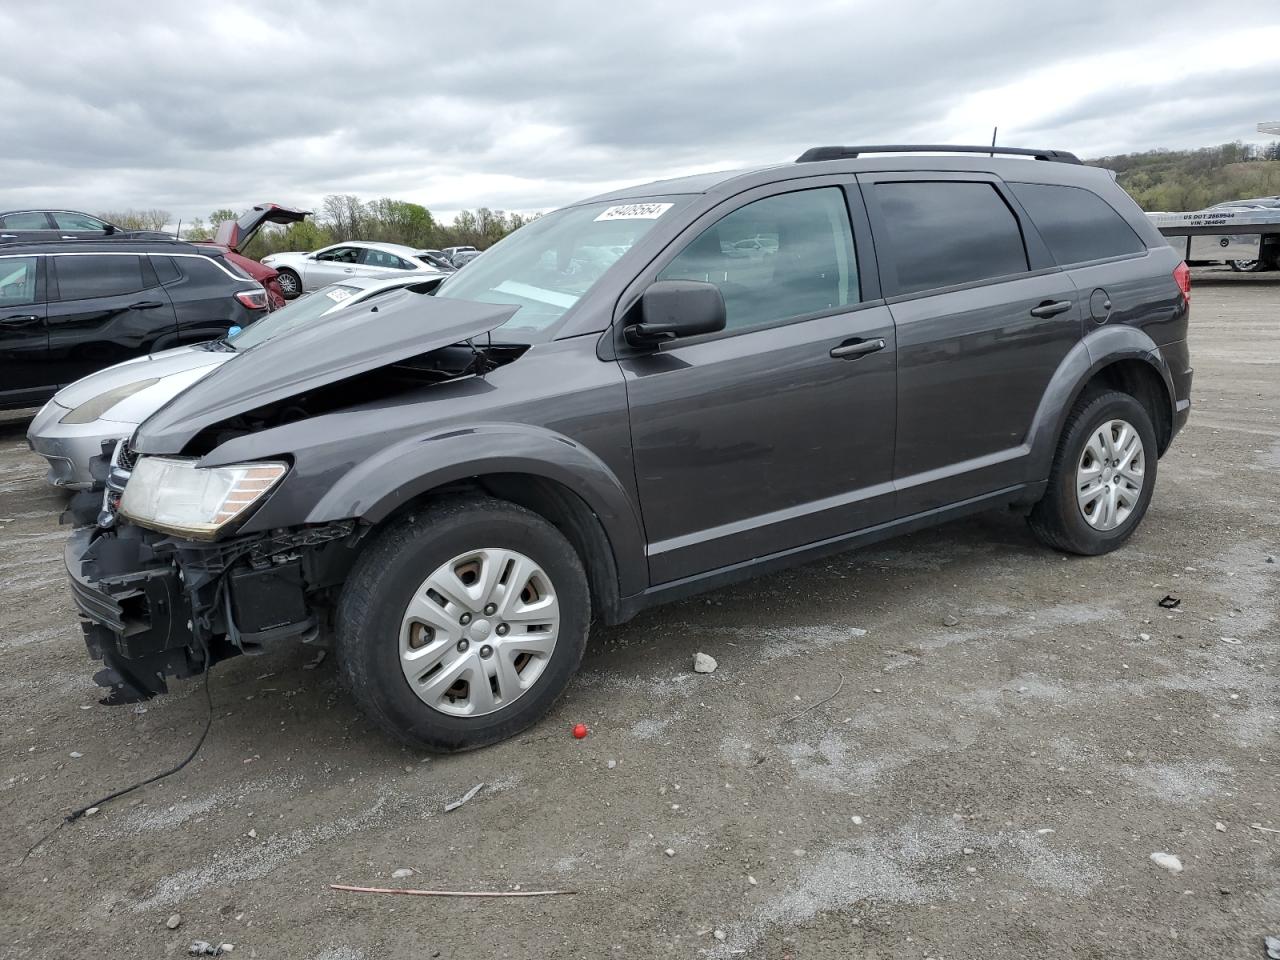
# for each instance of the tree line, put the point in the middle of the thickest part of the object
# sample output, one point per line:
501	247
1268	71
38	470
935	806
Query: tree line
1174	180
345	217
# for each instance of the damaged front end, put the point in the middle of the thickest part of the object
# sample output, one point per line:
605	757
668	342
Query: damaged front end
182	566
159	606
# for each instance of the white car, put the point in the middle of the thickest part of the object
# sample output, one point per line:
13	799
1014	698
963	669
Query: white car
301	272
107	406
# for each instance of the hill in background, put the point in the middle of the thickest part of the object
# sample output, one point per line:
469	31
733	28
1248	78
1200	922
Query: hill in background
1194	179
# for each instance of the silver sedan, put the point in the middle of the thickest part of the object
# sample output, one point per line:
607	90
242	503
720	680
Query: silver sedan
107	406
301	272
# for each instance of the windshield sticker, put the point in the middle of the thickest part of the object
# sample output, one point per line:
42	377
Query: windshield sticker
537	294
337	296
636	211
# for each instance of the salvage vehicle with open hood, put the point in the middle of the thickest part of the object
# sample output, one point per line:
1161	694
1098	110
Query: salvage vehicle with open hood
613	408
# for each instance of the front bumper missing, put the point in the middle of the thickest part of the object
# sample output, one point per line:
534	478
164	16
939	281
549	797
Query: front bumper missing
138	618
156	606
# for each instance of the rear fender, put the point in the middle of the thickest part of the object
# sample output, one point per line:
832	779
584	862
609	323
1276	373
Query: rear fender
1101	348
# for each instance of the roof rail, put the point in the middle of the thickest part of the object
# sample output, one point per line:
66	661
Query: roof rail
814	154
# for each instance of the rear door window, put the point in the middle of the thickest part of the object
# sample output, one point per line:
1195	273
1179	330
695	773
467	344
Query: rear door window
946	232
1076	224
78	221
82	276
26	221
383	258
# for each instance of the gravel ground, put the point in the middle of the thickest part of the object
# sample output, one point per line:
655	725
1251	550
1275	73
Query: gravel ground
1015	734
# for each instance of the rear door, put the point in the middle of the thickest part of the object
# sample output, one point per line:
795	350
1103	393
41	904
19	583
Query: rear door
28	227
382	263
203	296
778	431
983	319
25	373
104	308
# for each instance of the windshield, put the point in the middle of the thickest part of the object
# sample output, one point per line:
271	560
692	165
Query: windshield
546	266
293	315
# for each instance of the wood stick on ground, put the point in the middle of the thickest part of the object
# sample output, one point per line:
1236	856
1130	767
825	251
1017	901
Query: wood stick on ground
814	706
454	893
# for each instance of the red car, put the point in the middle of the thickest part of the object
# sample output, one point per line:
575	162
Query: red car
234	235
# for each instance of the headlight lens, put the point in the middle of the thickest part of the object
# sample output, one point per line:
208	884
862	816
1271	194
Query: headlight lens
179	497
91	410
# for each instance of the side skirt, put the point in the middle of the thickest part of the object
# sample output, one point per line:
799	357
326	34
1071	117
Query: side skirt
1022	493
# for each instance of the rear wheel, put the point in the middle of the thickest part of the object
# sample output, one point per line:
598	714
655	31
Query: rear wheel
1102	478
461	626
290	283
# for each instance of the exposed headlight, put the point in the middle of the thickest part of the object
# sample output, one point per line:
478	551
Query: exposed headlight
91	410
177	496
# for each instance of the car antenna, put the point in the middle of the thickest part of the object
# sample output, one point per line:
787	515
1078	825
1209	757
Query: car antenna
994	131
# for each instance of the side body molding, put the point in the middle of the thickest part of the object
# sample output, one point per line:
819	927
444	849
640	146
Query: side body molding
1099	349
374	488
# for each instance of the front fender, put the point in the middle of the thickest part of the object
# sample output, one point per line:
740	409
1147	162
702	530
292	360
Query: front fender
1099	349
376	487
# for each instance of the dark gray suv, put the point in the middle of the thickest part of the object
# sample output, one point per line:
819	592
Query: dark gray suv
638	397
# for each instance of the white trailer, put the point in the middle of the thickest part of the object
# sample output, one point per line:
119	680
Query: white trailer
1245	233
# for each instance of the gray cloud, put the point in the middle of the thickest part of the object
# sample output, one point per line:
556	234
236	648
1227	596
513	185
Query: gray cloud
190	107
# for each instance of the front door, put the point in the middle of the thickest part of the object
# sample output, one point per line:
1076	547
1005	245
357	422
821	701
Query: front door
983	318
25	375
104	308
778	431
330	266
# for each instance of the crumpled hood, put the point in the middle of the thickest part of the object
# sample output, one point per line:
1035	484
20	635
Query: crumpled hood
155	366
327	350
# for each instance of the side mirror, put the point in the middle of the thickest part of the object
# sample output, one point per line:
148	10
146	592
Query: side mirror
676	308
109	229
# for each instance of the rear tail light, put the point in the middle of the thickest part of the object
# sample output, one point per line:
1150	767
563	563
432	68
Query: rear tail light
253	299
1182	277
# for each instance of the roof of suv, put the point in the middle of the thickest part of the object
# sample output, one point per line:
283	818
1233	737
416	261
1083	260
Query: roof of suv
1054	166
107	246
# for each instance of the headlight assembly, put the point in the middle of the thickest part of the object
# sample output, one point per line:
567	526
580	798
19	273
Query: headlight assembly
178	497
91	410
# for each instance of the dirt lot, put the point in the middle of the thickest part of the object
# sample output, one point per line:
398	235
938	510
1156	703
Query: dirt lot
991	788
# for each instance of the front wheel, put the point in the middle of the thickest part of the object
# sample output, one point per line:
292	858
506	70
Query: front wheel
290	283
1102	478
461	626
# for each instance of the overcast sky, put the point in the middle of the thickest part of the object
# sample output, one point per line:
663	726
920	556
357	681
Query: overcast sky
525	106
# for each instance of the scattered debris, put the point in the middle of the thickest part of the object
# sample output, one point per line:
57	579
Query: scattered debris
751	881
401	873
174	921
1231	640
719	935
1258	826
832	696
611	764
449	807
1045	830
453	893
704	663
1220	826
320	655
91	811
857	821
202	948
252	834
1144	637
579	731
1168	861
1271	559
1170	602
951	620
1272	945
669	852
75	754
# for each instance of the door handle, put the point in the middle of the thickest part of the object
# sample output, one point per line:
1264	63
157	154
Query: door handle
19	320
1051	308
857	348
145	305
349	270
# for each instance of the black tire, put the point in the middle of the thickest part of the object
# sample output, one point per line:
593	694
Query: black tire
1057	520
389	571
290	283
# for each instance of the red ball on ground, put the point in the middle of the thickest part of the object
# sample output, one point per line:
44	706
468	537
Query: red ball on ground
580	731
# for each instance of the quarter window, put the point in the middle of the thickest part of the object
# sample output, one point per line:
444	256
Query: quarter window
776	259
1076	224
83	276
942	233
